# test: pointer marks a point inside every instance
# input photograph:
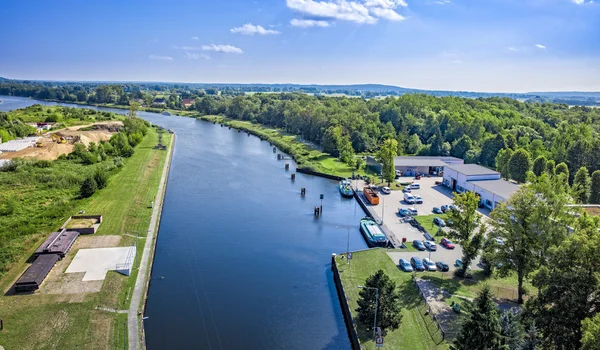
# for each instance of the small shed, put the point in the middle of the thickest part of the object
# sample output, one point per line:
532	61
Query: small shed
33	277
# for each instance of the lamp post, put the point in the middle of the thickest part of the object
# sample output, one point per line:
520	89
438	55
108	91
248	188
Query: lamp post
376	305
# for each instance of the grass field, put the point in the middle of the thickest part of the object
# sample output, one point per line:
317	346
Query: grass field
427	222
70	321
304	154
412	333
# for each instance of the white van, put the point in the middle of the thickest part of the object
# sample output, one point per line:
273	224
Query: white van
409	198
415	186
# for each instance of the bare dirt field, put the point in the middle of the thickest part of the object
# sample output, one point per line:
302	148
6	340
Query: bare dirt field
51	150
592	211
81	223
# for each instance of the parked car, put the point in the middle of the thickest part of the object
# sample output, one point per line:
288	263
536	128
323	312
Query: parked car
449	223
499	241
405	265
447	243
437	210
459	263
439	222
386	190
444	208
406	189
418	245
418	199
409	198
415	186
442	266
417	264
413	211
430	245
429	265
404	212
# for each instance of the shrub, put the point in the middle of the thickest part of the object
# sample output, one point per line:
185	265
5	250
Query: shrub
88	187
101	178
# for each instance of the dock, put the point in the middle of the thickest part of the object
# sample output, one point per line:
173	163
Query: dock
362	201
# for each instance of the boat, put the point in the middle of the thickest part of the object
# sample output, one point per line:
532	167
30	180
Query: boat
166	113
346	188
373	233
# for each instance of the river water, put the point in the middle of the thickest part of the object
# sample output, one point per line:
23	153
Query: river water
241	262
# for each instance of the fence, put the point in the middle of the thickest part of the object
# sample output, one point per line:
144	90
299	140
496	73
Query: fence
437	332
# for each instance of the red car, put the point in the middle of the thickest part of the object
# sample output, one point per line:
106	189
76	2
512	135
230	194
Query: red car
447	243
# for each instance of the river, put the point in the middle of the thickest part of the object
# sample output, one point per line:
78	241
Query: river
241	262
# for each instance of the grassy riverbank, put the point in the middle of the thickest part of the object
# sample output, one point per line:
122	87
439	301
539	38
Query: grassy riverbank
61	317
304	154
412	333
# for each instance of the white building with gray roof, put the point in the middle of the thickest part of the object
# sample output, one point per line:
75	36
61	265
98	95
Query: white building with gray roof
488	183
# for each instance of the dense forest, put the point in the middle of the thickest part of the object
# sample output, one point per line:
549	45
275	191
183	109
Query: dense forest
502	133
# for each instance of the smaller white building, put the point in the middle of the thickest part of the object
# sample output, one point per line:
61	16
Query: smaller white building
481	180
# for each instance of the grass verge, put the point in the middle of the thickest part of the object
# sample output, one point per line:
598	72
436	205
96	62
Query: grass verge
427	222
69	321
303	153
413	333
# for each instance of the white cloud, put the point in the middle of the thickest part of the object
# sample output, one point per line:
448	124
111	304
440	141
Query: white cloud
160	58
442	2
251	29
457	62
540	46
579	2
389	4
222	48
196	56
187	48
342	10
512	49
304	23
195	38
387	13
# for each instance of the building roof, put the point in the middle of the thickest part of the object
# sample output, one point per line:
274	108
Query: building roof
424	161
471	169
500	187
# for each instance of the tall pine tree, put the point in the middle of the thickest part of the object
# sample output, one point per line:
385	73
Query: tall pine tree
481	330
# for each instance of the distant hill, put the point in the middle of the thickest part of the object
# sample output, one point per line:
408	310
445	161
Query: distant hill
360	90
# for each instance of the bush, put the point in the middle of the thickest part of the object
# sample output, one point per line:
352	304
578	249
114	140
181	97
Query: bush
88	187
101	178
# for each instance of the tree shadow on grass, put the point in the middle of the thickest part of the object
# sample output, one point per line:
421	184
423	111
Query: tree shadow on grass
452	284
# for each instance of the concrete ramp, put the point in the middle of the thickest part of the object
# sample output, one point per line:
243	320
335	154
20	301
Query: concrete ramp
97	262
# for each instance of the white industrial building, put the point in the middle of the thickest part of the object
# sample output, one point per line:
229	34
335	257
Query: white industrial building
412	165
481	180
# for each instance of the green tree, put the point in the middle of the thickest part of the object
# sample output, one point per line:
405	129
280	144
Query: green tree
590	329
490	148
562	168
568	287
550	167
385	155
414	144
595	188
481	330
519	164
359	162
511	142
467	229
502	160
582	185
346	150
88	187
515	223
539	165
101	178
389	314
511	331
331	140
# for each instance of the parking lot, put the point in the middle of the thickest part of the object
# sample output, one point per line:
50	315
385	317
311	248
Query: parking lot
433	196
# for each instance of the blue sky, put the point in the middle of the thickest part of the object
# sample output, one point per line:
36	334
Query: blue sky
477	45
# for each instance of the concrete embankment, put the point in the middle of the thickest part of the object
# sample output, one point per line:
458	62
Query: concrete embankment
350	326
136	338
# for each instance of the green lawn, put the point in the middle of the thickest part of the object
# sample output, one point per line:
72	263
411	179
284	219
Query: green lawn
70	321
427	222
412	333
